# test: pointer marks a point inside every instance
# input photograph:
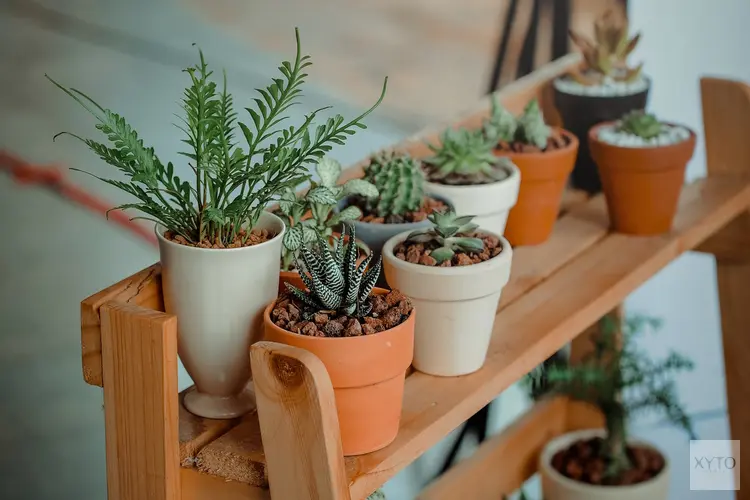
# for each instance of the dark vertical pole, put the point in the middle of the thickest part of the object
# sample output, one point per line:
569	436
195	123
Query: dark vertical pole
561	25
503	48
526	60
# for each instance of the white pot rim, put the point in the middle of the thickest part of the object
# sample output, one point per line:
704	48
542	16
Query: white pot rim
565	77
503	259
159	229
556	444
478	189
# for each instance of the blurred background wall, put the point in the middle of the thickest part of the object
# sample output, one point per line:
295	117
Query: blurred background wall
440	56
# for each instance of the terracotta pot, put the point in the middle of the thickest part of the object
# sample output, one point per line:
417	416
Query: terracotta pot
543	179
555	486
581	112
456	305
642	184
218	296
367	374
489	203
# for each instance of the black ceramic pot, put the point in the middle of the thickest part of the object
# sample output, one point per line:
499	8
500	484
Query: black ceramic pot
581	112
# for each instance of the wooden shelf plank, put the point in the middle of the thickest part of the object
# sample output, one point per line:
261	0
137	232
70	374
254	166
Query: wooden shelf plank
196	432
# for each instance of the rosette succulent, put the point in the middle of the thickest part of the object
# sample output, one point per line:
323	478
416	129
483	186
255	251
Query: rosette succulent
641	124
465	157
450	233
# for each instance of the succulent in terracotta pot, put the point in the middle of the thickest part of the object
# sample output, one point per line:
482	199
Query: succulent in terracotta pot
219	247
642	163
313	214
545	157
604	88
363	335
620	380
464	171
454	273
400	205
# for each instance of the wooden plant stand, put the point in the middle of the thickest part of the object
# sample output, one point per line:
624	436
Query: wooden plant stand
158	451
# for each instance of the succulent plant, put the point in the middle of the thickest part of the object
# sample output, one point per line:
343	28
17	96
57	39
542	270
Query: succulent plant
333	279
528	128
400	183
449	231
319	201
640	123
465	157
606	57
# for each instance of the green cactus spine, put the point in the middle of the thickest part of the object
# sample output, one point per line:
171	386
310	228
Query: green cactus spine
400	182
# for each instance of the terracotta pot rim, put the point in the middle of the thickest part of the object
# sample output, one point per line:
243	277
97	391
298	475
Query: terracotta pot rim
593	137
546	457
514	172
498	261
572	144
159	229
408	323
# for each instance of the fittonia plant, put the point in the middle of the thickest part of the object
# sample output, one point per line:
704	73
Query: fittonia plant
399	180
465	157
450	233
319	202
334	280
606	58
232	185
528	128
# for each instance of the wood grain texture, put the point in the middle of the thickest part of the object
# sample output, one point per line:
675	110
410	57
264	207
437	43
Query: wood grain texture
523	338
299	424
196	432
139	354
141	289
199	486
726	120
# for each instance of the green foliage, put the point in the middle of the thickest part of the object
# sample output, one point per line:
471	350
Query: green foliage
622	380
232	185
400	182
447	232
377	495
465	157
607	56
642	124
333	279
319	201
528	128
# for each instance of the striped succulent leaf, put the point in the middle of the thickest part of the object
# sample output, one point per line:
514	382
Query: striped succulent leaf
333	279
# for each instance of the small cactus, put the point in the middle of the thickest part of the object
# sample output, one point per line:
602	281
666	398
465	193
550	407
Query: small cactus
447	232
465	157
400	182
641	124
528	128
606	57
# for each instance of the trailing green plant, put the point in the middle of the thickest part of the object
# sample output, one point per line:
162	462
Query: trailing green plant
641	124
333	279
606	57
232	185
319	201
400	182
465	157
621	380
450	232
527	128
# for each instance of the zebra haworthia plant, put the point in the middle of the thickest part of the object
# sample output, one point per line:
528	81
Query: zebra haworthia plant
333	279
319	201
449	231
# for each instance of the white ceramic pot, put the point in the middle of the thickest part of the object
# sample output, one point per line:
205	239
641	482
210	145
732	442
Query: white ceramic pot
456	307
489	203
555	486
218	296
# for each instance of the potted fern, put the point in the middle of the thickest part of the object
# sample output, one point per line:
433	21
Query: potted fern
642	163
401	204
363	335
313	215
545	157
465	172
603	89
620	380
218	246
454	273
